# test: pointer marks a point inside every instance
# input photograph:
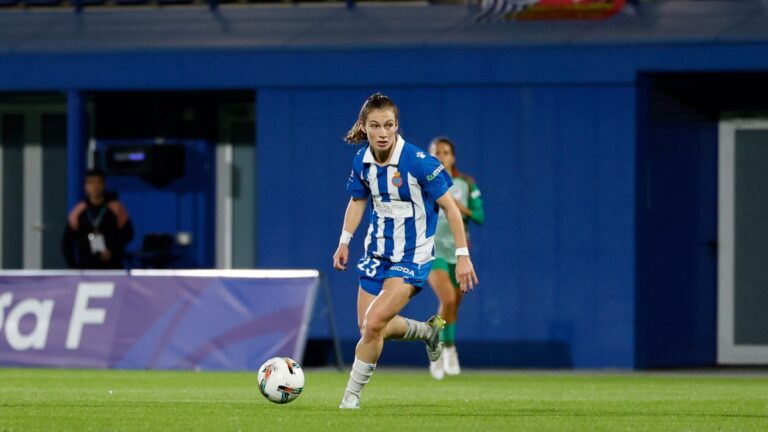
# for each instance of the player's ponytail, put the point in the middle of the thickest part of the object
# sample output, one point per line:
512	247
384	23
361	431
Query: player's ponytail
375	101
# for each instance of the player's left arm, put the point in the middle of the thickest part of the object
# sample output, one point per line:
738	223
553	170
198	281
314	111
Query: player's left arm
465	271
474	208
475	205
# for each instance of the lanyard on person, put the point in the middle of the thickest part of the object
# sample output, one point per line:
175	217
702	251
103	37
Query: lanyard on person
96	240
95	222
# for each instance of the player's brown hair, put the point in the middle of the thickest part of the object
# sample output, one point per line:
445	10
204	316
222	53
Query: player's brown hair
455	173
447	141
375	101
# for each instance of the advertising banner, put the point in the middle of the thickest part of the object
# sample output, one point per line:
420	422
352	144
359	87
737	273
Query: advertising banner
211	320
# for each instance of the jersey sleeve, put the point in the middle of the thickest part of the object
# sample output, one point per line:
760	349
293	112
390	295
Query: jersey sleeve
355	185
476	204
433	178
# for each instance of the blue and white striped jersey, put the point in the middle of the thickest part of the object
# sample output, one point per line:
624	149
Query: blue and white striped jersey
403	201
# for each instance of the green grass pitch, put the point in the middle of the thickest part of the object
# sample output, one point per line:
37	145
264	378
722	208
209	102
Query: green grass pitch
395	401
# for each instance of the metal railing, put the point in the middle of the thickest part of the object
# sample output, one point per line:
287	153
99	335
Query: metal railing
79	6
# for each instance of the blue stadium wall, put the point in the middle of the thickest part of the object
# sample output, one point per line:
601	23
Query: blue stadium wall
555	256
550	133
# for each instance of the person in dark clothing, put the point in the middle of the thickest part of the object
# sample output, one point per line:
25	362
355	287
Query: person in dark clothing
98	228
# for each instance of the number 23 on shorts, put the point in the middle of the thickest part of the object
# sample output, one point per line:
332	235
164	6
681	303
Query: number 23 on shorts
369	266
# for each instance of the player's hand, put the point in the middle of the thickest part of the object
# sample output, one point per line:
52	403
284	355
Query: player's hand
465	274
341	257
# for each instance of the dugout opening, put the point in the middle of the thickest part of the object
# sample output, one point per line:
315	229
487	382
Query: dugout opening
215	197
677	205
48	140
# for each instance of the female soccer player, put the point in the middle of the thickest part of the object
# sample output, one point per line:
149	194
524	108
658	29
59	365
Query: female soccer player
405	186
442	278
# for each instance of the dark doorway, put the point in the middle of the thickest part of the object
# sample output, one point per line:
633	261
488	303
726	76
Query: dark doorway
185	208
677	204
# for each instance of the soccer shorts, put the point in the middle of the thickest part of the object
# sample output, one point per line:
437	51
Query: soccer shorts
441	264
373	272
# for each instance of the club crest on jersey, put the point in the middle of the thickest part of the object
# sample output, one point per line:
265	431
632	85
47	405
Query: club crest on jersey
396	179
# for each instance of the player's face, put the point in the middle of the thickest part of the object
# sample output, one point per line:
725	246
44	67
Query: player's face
444	154
381	128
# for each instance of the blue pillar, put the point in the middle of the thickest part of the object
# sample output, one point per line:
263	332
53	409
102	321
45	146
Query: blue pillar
256	174
76	148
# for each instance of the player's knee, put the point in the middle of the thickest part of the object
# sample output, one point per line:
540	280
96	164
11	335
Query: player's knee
450	305
370	334
373	328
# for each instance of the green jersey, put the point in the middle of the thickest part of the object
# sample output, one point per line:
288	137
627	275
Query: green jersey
466	192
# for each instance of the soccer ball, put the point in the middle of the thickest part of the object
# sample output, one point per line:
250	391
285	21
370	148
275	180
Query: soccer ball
281	380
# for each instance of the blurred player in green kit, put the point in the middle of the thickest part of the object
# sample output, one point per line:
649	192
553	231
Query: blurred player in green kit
442	278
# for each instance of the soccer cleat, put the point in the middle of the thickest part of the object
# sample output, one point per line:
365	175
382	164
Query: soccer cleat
451	361
434	345
349	403
436	370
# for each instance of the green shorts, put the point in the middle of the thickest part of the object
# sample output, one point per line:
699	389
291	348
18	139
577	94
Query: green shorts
441	264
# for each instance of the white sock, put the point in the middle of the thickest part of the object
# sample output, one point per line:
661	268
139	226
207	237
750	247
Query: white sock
359	377
417	330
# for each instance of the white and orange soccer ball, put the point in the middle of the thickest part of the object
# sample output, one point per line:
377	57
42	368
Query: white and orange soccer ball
281	380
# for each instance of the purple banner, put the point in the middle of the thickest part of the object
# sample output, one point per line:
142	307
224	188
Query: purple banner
195	319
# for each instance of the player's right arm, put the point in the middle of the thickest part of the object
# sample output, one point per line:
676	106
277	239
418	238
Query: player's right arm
352	218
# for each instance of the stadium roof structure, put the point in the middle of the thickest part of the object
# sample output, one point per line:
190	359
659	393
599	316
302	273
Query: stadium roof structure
333	26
